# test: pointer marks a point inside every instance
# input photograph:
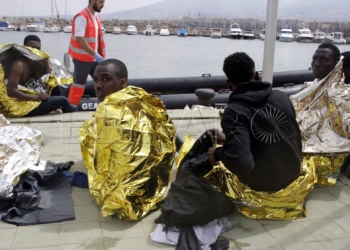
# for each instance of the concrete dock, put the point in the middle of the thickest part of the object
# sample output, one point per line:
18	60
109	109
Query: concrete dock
327	225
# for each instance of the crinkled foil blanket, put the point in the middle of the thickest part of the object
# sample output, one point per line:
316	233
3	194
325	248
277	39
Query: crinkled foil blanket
12	107
286	204
323	114
128	147
19	151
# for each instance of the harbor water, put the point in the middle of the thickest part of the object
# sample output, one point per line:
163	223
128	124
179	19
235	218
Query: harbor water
172	56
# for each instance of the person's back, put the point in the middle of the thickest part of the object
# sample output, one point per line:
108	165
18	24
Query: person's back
266	122
263	141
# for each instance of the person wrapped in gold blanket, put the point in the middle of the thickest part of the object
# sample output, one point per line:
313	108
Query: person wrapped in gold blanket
128	146
26	88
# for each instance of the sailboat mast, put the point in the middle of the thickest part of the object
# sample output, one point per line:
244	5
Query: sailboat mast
51	12
57	12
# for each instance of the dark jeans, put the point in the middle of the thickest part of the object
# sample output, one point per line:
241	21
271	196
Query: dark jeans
54	102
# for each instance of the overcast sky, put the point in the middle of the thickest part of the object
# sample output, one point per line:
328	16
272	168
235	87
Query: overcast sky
43	7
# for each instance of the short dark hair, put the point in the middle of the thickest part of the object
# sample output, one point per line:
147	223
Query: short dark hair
346	59
122	71
331	46
239	67
31	38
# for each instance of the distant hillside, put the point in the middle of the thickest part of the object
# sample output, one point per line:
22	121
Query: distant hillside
320	10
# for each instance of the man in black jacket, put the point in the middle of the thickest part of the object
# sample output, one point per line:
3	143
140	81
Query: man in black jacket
261	140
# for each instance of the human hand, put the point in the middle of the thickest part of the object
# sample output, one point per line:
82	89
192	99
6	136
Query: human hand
211	156
98	57
217	136
42	97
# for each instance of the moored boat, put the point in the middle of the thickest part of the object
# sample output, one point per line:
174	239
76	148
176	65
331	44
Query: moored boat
116	30
215	33
235	31
262	35
336	38
248	34
67	29
149	31
319	36
164	31
182	31
36	26
286	35
52	29
131	30
6	26
304	36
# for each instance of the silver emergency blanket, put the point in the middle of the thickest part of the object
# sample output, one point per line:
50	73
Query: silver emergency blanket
19	151
323	114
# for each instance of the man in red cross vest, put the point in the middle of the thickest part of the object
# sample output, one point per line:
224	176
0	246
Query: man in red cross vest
87	47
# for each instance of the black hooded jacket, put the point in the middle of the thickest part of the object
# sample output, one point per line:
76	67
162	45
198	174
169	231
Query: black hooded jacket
263	140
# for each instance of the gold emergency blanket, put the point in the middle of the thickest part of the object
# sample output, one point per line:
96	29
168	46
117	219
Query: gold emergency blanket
128	147
12	107
323	114
286	204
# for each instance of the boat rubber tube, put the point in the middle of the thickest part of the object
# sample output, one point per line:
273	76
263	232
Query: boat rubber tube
182	85
179	101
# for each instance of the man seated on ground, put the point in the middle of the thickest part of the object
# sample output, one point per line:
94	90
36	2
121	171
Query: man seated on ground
323	116
128	145
346	66
261	146
324	60
26	88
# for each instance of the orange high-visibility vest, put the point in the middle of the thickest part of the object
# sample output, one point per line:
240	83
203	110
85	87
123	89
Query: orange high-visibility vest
75	50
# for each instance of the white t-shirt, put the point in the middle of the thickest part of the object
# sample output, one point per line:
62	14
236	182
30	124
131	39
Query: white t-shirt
80	24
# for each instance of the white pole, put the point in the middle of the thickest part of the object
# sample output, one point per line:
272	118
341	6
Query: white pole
270	40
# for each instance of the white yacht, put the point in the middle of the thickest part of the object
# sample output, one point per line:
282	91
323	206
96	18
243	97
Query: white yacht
37	26
131	30
116	30
262	35
215	33
67	29
304	36
149	31
286	35
51	29
248	34
319	36
6	26
336	38
235	31
164	31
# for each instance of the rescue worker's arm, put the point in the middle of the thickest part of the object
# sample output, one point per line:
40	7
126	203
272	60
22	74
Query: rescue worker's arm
14	76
